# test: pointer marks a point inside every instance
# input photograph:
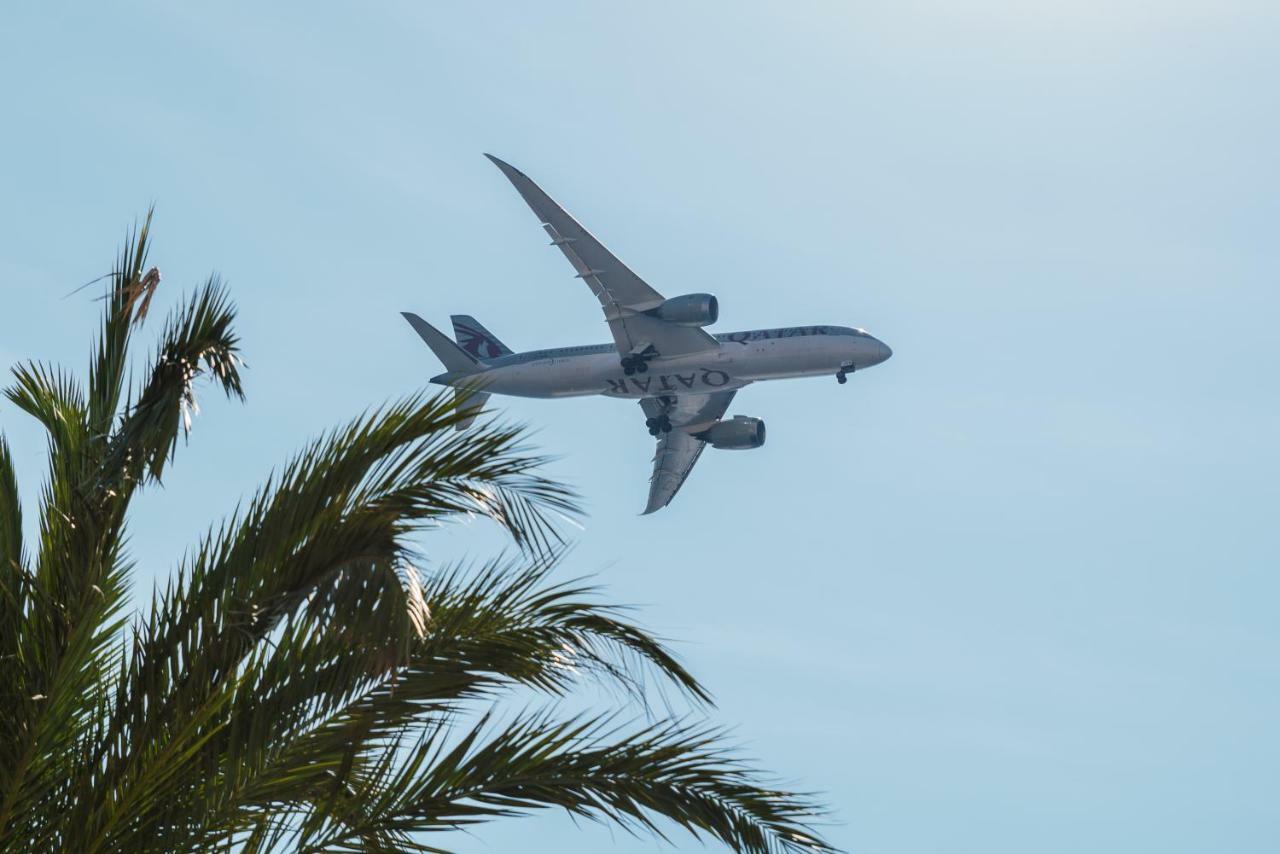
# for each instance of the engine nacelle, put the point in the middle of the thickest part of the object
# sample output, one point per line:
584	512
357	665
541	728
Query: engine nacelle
740	433
689	310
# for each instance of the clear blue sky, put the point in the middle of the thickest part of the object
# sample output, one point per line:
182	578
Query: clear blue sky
1014	590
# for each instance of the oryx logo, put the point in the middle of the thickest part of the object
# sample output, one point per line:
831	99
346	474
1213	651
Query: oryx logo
476	343
477	340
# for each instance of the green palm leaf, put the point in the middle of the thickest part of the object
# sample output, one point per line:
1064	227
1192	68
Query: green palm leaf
299	684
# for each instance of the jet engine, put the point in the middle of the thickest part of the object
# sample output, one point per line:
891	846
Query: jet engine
688	310
740	433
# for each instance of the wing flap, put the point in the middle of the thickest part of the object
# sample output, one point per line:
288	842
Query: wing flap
678	450
674	459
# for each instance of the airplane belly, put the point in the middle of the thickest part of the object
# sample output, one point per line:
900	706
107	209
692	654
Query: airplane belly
787	357
558	377
697	374
702	373
575	377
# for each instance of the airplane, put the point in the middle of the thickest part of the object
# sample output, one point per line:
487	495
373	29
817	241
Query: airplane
684	377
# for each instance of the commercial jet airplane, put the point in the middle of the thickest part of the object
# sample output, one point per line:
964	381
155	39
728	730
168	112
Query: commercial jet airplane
683	376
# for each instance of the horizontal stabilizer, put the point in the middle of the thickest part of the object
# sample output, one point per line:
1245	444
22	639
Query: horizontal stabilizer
455	359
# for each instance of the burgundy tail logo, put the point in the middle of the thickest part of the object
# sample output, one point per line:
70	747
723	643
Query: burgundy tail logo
477	343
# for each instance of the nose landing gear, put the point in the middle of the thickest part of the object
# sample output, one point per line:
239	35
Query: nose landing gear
842	374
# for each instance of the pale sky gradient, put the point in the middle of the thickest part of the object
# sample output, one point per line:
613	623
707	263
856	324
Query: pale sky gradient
1014	590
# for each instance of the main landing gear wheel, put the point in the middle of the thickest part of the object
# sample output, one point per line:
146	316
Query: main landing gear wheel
637	362
661	424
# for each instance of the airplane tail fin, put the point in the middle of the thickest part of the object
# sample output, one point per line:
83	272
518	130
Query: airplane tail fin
459	364
476	340
456	360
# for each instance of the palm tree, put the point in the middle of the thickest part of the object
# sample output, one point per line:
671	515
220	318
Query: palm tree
299	684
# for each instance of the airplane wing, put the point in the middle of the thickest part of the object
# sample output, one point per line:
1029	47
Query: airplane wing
678	450
623	295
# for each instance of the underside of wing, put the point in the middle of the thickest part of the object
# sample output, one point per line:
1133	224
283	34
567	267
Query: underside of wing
674	460
623	295
679	448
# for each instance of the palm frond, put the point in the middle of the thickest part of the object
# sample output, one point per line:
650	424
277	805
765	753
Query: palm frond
331	700
54	398
350	671
197	339
66	604
71	602
299	684
592	767
336	519
129	293
333	668
345	505
12	553
14	584
505	623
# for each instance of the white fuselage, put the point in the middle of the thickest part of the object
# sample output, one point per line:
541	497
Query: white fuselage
743	357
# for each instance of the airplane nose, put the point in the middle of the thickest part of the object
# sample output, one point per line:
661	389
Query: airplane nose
882	352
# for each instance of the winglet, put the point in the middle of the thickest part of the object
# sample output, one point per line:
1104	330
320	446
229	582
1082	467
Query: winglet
507	169
500	163
544	207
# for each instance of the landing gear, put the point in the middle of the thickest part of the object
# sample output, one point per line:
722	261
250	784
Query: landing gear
661	424
842	374
638	363
841	378
634	365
